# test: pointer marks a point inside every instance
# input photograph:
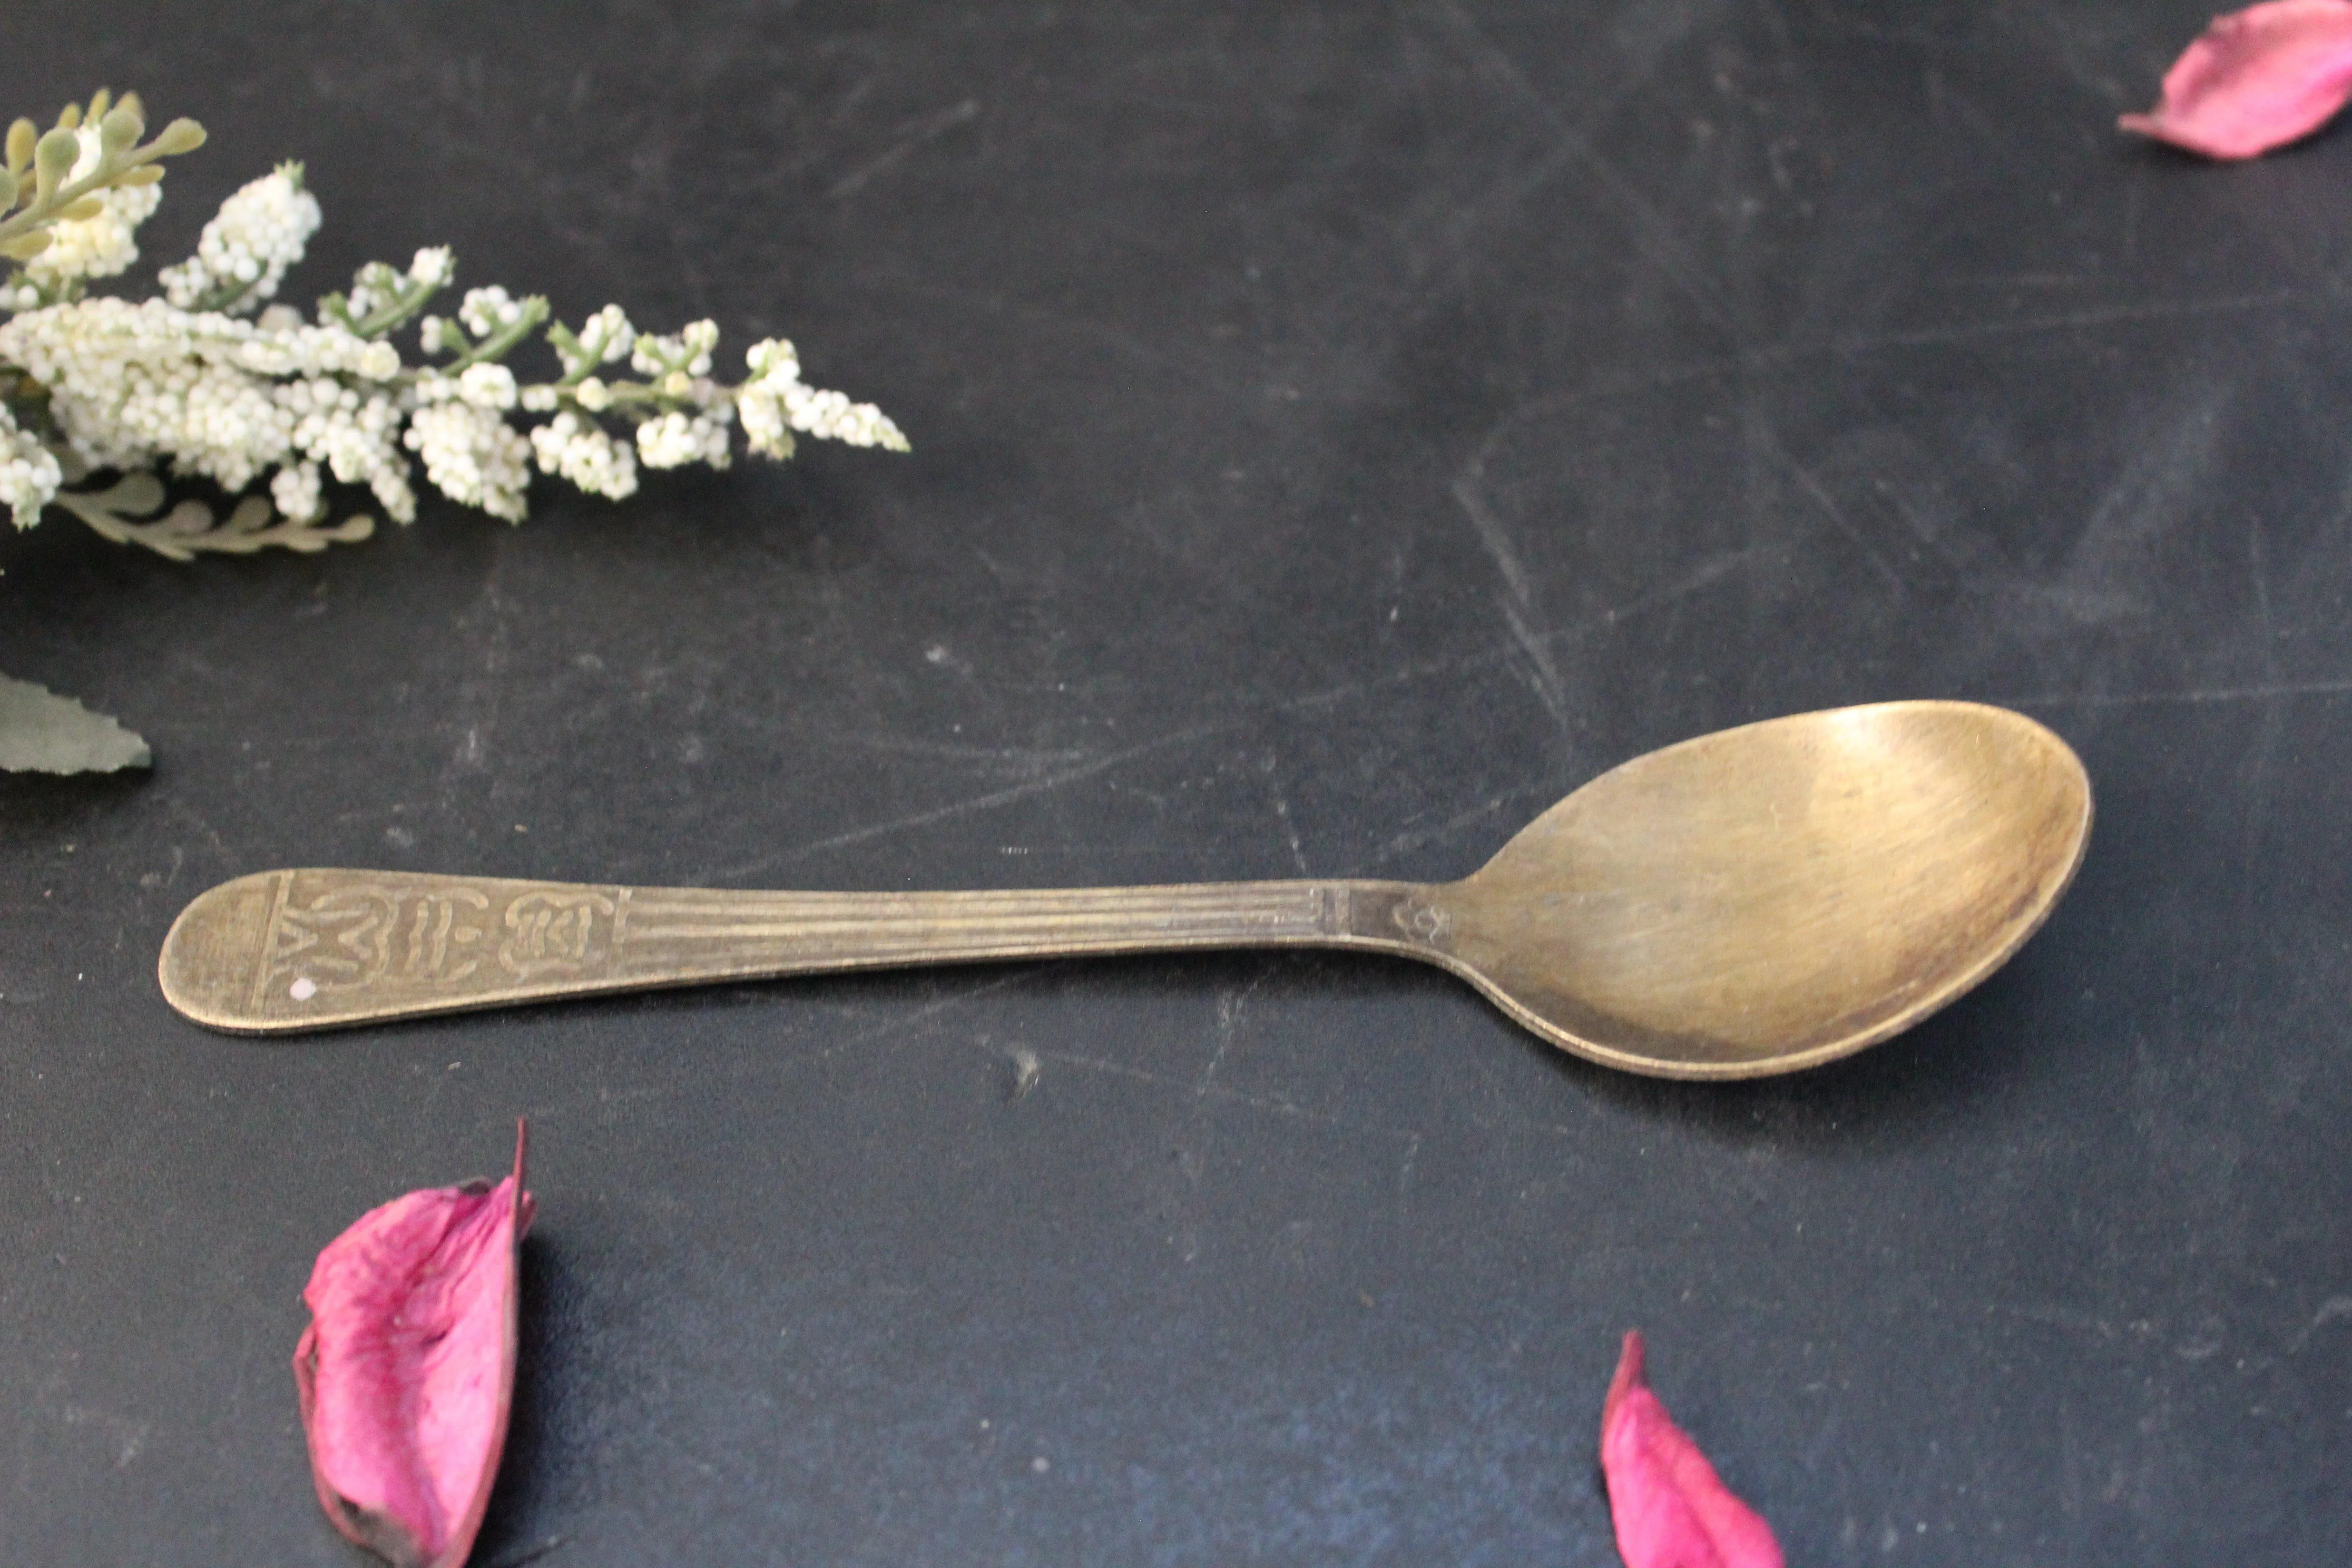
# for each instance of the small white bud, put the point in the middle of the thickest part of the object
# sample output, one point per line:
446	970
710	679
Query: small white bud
379	362
488	386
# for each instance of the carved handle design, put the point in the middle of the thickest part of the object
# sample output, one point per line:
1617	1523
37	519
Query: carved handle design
287	950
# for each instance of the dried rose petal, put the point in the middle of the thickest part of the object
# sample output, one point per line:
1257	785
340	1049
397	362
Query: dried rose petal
2259	79
407	1368
1669	1509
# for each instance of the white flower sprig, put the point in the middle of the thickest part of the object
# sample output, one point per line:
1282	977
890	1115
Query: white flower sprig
205	382
258	234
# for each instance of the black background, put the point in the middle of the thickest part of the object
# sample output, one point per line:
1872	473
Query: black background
1340	429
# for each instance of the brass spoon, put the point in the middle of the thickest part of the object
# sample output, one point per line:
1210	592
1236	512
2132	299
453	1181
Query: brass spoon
1752	901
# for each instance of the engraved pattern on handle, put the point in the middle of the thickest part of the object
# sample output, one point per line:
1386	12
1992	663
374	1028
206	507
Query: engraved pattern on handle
312	949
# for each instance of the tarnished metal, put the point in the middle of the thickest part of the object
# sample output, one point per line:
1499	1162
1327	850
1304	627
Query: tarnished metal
1752	901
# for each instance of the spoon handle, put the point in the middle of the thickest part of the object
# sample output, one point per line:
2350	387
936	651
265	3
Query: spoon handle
281	952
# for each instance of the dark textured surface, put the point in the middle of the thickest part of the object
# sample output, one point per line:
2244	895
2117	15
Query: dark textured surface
1340	429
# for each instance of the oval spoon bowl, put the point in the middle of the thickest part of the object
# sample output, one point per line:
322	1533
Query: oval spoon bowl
1776	896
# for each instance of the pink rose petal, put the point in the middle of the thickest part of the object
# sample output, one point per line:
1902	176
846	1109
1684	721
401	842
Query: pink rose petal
1669	1509
407	1368
2259	79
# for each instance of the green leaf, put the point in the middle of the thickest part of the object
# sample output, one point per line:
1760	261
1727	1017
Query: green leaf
53	159
121	128
180	136
43	732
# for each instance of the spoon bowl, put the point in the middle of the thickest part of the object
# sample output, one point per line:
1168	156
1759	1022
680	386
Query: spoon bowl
1773	897
1750	903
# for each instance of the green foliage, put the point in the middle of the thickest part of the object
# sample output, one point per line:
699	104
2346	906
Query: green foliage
45	733
129	512
55	195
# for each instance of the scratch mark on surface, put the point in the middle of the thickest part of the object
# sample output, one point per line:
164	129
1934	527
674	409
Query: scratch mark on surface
1273	768
2269	726
2336	1308
1406	843
1820	496
600	1100
2133	188
2109	568
1270	1105
1024	1071
1579	1136
1654	238
2258	553
1526	642
1229	1011
2061	321
1786	356
899	286
1051	782
2069	1319
928	129
1706	576
1547	682
127	1438
1490	529
2204	694
1008	756
897	1024
1230	1007
906	1023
